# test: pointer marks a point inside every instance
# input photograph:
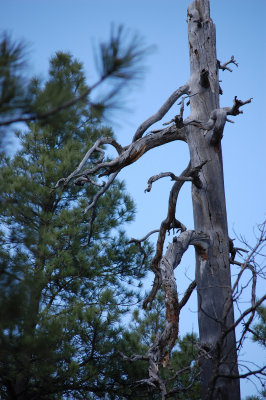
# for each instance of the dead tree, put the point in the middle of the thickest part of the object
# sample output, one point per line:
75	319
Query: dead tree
203	132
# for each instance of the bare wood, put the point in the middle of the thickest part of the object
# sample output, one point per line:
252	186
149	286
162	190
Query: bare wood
161	112
133	240
169	222
94	148
217	120
225	65
160	351
127	155
173	177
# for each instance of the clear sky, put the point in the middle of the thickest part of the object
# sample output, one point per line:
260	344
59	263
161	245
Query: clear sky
76	25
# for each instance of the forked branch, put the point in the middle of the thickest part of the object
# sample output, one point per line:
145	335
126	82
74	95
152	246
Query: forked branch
161	112
225	65
126	155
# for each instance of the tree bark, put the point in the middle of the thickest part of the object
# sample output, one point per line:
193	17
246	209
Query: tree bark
212	267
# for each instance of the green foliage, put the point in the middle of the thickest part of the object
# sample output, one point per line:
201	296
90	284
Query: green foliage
14	95
62	296
119	63
252	398
121	57
262	397
259	329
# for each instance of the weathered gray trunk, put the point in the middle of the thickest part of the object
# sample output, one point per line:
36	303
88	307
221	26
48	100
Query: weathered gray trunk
213	267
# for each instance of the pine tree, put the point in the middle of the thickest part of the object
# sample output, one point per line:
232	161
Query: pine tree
64	282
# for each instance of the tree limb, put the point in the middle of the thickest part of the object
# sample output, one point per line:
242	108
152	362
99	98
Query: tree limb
133	240
159	352
170	222
161	112
217	120
224	66
163	175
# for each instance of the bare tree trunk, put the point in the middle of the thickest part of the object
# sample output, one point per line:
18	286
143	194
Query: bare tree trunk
212	268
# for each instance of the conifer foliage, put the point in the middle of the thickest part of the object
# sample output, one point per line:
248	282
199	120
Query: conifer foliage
63	281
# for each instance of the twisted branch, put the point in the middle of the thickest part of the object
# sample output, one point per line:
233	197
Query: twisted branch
159	352
170	222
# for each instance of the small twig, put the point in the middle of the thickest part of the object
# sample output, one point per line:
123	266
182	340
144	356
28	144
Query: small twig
101	192
178	119
224	66
241	376
132	240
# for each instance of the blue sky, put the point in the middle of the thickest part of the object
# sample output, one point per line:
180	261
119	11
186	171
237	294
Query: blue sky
75	26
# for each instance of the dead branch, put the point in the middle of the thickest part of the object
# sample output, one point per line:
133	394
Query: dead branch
161	112
133	240
217	120
127	155
133	358
178	119
101	192
182	390
94	148
225	67
170	222
187	294
160	351
254	372
138	243
93	204
173	177
234	110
